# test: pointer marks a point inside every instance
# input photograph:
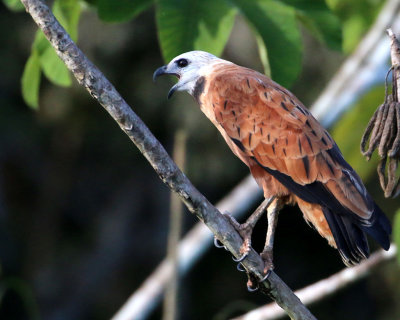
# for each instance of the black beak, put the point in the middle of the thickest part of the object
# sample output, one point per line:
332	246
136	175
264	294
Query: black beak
159	72
171	92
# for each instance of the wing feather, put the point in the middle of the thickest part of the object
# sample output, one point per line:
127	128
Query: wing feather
272	126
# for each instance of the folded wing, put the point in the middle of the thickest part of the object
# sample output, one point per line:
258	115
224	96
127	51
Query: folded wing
270	126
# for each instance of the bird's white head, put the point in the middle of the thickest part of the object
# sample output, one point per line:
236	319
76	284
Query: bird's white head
189	67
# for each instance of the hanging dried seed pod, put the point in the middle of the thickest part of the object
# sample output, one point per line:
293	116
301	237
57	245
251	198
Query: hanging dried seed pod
383	130
375	125
396	144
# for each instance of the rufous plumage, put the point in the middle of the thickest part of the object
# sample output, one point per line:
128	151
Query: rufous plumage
290	155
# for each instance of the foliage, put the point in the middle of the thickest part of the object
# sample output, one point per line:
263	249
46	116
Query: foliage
198	25
317	18
43	57
120	10
188	25
356	16
14	5
31	80
276	24
207	24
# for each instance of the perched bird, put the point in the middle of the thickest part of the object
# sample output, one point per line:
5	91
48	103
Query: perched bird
290	155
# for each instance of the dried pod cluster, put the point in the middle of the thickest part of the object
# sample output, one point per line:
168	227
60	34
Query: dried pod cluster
383	130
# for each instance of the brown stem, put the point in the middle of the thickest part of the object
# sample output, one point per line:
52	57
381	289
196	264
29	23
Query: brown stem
395	56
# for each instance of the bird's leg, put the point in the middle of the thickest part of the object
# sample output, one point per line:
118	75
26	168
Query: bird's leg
246	229
267	253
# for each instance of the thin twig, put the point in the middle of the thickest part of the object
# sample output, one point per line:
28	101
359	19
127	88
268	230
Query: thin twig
176	212
103	91
324	288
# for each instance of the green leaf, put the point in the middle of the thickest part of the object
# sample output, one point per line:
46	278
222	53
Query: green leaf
54	68
193	25
353	30
51	65
14	5
396	233
44	57
121	10
68	13
263	53
277	25
40	44
357	17
31	81
324	26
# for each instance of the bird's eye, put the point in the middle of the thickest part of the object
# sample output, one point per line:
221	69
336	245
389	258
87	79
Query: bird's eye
182	63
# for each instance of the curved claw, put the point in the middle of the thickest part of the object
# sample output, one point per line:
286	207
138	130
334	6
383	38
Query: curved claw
251	289
240	268
266	276
240	259
218	244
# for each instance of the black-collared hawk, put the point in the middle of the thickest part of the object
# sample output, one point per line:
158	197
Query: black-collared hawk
288	152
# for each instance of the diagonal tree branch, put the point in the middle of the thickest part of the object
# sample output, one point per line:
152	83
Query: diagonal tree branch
103	91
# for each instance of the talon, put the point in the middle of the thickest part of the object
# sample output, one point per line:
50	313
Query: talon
250	287
266	276
218	244
240	268
241	258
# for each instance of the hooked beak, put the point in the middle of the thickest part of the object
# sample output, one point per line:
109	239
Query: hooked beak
159	72
162	71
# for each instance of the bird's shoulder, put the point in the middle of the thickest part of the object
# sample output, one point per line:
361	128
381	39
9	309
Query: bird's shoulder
252	92
262	114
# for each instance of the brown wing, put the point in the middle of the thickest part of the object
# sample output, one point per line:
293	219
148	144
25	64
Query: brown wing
270	126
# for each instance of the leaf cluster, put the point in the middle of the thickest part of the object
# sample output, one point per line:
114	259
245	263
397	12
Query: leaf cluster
184	25
44	59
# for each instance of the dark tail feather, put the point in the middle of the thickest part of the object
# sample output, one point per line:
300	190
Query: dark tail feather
350	239
379	228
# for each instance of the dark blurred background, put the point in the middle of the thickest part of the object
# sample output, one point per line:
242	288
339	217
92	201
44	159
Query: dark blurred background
84	218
